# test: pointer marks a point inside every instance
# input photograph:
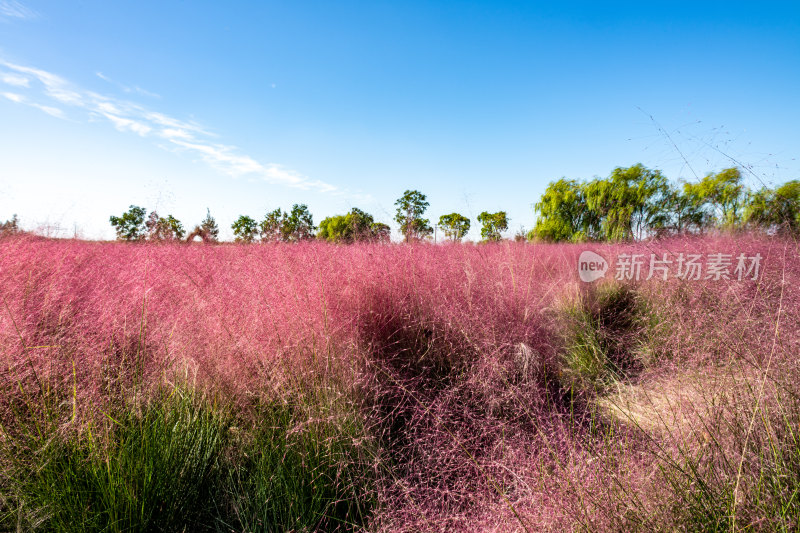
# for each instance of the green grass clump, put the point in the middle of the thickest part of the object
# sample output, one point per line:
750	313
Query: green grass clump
603	336
303	467
301	463
157	470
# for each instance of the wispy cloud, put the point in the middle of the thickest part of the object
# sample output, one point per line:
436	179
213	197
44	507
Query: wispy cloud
15	9
50	110
54	86
51	93
125	88
14	97
15	80
127	124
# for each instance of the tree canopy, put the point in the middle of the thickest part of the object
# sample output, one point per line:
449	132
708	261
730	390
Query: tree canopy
294	226
563	214
637	203
629	203
299	224
166	228
10	227
209	227
776	210
455	226
410	208
493	224
245	229
355	226
130	226
721	196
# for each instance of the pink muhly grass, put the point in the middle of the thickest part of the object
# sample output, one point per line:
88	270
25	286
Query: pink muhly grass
454	354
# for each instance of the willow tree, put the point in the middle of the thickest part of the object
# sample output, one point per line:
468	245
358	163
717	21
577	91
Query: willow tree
630	203
723	196
775	210
562	214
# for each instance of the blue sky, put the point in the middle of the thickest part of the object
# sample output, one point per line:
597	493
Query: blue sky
243	107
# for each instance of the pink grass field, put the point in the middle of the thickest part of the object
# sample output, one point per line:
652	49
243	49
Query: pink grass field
455	352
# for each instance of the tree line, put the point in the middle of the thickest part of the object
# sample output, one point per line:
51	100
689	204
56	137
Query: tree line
136	225
636	203
633	203
297	225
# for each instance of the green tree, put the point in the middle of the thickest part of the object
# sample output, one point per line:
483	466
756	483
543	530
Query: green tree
562	214
410	208
175	226
493	224
454	225
130	226
650	191
381	232
299	224
209	227
684	213
356	225
245	229
10	227
334	229
206	230
723	195
272	226
630	203
360	225
775	210
163	229
296	225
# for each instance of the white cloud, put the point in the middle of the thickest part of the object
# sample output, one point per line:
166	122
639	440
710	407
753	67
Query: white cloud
54	86
65	96
19	99
127	124
278	173
224	158
125	88
107	107
14	97
15	80
323	187
169	122
15	9
175	133
128	116
45	77
54	111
